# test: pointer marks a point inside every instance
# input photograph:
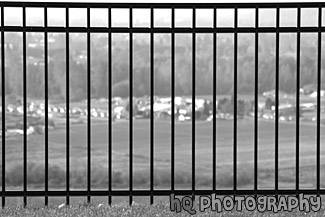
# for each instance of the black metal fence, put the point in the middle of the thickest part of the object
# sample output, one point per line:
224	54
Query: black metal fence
215	30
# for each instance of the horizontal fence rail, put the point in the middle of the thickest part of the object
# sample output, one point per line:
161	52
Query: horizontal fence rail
214	30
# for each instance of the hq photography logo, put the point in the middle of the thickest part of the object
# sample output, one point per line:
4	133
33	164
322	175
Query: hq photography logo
250	203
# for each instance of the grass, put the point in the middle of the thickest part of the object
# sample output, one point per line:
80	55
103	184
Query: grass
159	209
183	156
78	179
141	157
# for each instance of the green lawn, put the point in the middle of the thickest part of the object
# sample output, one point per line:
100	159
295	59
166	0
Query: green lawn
162	150
162	155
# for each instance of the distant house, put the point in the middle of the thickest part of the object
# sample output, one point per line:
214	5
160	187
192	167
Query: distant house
271	94
315	93
308	89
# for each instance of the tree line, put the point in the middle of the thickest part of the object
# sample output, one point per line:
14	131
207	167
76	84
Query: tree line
162	70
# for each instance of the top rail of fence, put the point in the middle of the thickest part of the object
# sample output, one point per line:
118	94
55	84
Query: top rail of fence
162	5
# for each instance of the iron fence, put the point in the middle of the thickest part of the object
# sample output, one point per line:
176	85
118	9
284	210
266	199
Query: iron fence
152	30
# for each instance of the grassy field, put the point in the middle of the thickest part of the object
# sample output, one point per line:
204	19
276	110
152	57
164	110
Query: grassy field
162	155
183	154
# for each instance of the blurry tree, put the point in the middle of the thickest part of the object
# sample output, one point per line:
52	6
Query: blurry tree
162	65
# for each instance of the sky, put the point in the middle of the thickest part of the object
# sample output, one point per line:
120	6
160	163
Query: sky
13	16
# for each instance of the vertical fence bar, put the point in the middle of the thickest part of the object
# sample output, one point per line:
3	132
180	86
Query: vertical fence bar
298	98
67	109
46	108
110	107
88	108
131	109
319	70
235	99
256	105
25	108
3	97
193	99
152	80
172	179
277	41
214	137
